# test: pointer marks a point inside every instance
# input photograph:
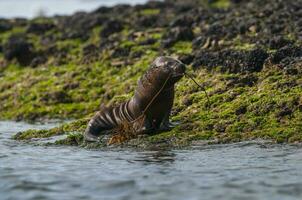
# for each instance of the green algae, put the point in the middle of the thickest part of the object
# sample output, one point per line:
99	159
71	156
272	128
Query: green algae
268	108
222	4
182	47
150	11
235	114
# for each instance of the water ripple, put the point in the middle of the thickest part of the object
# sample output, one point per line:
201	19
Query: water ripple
248	170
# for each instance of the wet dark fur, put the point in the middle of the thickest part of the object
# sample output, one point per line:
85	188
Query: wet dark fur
162	75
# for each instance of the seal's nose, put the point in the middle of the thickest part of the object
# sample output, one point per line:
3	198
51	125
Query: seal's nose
181	68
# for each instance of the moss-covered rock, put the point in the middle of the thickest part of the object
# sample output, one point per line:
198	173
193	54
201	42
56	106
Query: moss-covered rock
251	68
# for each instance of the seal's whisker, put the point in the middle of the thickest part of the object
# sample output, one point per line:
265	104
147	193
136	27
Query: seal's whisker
203	88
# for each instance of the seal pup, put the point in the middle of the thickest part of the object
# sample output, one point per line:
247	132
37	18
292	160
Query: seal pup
152	101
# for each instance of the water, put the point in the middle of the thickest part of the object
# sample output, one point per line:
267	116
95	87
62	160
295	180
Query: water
236	171
32	8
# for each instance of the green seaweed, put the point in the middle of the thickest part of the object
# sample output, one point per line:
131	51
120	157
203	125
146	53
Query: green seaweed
71	88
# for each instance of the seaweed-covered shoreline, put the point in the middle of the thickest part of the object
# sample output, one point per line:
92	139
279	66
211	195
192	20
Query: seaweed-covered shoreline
247	54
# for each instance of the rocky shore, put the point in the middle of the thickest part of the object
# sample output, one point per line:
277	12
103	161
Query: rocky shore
247	54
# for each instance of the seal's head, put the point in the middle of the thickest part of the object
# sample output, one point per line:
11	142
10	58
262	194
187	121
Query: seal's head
171	67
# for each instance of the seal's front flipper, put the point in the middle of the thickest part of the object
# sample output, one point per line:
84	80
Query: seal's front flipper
90	137
166	125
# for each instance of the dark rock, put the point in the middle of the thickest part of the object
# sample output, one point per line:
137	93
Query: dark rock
148	41
39	28
56	97
110	27
287	51
153	5
241	110
18	47
71	86
79	25
216	31
182	21
121	9
187	101
219	127
90	49
146	21
120	52
136	54
90	53
231	60
285	111
5	26
199	42
75	34
242	81
102	10
177	34
255	60
236	1
19	22
39	60
291	65
278	42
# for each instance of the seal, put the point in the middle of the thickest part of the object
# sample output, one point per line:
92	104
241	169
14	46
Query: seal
152	101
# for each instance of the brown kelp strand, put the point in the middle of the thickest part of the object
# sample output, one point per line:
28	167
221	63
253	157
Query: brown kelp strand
203	88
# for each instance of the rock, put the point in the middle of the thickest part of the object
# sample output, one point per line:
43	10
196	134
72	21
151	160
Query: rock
18	47
79	25
284	52
56	97
120	52
148	41
216	31
177	34
146	21
231	60
39	60
90	53
289	65
284	111
136	54
89	49
19	22
110	27
278	42
40	28
153	5
241	110
255	60
5	26
71	86
183	21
